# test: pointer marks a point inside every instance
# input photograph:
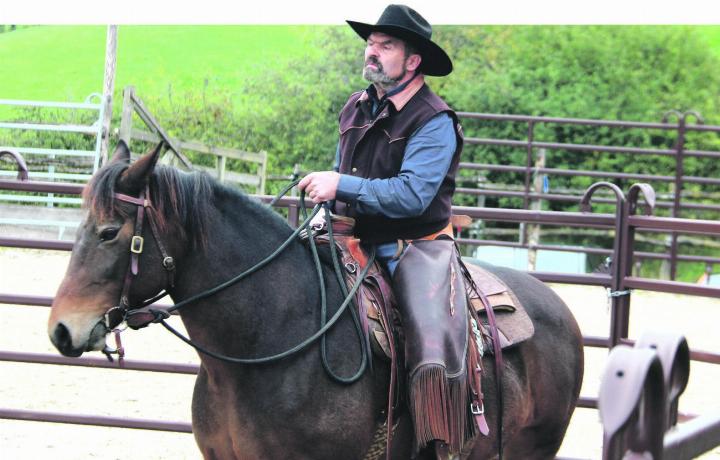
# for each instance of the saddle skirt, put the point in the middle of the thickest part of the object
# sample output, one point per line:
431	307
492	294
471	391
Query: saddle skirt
514	324
376	303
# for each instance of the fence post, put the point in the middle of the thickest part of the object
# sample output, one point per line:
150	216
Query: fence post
679	172
528	175
221	163
263	173
108	88
619	312
127	113
535	204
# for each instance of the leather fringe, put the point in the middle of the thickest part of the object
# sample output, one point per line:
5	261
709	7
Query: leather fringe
439	408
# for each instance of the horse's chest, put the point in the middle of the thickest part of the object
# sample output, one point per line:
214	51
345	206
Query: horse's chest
220	428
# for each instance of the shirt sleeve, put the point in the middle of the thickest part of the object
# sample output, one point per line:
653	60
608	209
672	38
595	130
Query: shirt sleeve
426	161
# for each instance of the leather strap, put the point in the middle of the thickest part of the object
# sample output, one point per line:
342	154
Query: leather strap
143	317
387	325
135	251
475	370
497	351
168	262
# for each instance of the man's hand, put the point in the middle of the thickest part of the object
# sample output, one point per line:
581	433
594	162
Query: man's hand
320	186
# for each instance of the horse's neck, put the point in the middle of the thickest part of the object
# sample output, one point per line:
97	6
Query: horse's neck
266	312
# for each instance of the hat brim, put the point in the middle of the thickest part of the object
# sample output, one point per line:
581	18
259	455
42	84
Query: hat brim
435	61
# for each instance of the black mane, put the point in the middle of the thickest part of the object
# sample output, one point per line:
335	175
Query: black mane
181	201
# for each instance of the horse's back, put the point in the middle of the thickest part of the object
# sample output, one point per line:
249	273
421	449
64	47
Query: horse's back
542	304
542	375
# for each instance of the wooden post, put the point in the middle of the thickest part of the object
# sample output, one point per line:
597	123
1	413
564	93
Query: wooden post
127	113
536	205
221	163
108	88
263	173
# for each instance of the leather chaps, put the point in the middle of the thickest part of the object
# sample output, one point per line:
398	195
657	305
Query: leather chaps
430	292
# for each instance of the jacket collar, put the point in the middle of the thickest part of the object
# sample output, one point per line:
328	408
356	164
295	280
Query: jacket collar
400	99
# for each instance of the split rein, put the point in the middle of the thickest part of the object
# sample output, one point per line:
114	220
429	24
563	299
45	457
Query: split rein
144	314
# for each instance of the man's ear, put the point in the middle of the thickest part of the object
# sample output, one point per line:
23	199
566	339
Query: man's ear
137	175
413	62
122	153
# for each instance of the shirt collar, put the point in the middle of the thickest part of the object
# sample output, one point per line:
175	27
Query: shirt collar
400	97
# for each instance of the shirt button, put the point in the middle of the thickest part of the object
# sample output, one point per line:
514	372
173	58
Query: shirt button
354	170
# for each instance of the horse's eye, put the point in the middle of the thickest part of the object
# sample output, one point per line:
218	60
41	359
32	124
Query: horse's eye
109	234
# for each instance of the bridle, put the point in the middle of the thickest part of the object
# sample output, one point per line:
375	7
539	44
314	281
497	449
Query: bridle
119	313
145	313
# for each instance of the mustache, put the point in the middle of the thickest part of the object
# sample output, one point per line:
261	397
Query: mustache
374	61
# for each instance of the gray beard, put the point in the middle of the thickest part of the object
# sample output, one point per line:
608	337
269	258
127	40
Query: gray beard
380	78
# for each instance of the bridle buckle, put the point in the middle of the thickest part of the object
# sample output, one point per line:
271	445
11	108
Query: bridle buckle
136	244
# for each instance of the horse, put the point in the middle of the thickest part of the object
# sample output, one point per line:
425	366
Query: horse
289	408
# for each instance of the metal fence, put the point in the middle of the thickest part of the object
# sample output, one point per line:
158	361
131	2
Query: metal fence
619	281
49	163
679	200
625	223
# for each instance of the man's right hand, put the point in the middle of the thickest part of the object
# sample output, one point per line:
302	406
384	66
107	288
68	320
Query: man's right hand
320	186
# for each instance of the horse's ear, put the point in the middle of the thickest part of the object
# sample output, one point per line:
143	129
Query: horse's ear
122	153
136	176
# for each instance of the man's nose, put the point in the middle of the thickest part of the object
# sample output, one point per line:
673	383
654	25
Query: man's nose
371	51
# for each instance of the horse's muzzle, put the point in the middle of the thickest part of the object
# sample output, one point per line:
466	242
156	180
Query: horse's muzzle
62	339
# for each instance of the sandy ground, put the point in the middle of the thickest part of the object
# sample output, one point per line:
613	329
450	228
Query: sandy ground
161	396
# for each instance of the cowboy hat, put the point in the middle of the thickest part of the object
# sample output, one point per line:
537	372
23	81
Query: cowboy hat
405	23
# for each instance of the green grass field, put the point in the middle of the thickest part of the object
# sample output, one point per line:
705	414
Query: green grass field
66	63
712	33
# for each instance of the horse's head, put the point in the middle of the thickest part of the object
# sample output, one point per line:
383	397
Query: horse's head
102	262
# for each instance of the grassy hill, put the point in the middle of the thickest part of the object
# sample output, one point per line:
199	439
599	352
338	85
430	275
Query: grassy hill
712	33
66	63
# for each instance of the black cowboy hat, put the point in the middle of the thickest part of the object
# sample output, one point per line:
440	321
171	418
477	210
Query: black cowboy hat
405	23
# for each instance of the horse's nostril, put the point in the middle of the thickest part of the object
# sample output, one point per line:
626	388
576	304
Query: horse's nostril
61	337
63	342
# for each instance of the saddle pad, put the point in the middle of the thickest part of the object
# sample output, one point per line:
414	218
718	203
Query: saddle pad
512	320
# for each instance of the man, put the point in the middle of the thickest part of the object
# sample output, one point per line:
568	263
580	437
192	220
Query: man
395	169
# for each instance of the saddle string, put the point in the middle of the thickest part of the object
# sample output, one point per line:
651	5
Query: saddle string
497	349
160	315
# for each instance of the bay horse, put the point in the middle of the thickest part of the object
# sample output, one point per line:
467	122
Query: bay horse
288	408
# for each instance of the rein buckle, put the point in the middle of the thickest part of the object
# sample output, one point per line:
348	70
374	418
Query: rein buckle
136	244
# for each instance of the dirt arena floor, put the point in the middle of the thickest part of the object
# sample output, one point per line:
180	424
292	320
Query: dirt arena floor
160	396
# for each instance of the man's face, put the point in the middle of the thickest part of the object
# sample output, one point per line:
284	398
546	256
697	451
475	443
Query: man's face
384	60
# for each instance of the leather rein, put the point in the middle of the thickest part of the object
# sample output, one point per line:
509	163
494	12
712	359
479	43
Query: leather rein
145	313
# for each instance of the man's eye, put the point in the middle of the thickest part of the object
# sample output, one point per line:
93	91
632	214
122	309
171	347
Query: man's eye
109	234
